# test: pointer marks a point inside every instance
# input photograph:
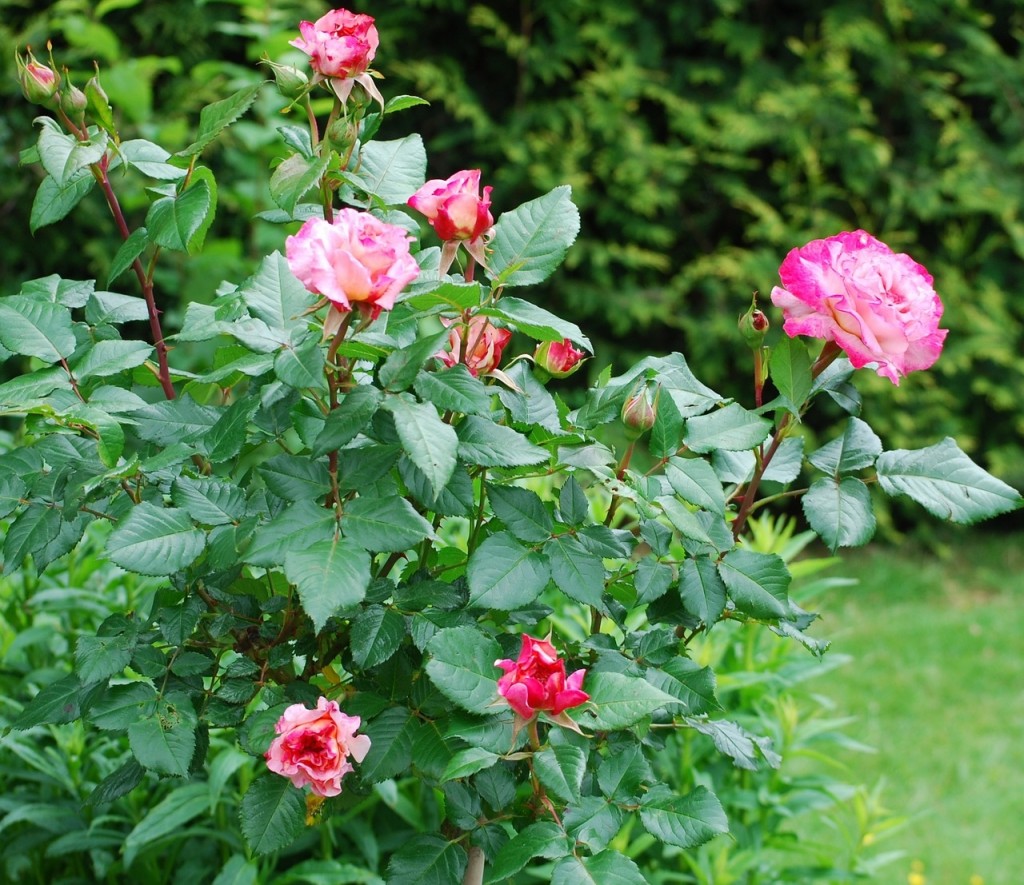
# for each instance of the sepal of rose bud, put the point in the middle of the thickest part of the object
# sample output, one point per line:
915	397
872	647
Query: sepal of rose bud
39	82
291	82
753	325
640	410
558	358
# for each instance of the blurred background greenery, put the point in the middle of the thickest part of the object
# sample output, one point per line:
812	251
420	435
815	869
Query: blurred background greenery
703	140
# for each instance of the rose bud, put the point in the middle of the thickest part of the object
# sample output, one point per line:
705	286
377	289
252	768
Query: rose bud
39	83
639	411
558	358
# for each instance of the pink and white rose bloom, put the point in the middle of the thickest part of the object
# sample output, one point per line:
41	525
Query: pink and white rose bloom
356	260
875	304
481	351
340	46
558	358
458	212
536	681
314	746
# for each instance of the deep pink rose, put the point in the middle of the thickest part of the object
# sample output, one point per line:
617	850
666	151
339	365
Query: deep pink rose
536	681
877	305
340	46
558	358
454	207
358	259
481	352
313	746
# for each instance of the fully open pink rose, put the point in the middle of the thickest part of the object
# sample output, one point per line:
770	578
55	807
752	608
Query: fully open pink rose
481	351
314	746
340	46
558	358
877	305
356	260
536	681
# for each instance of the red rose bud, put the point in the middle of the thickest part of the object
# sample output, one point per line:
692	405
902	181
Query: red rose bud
536	681
558	358
39	83
640	410
753	326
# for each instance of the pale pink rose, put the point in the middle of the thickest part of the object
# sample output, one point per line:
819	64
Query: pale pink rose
481	351
39	83
536	681
313	746
340	46
355	260
558	358
877	305
454	206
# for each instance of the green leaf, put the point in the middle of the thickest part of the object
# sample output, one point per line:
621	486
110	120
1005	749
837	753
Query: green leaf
430	443
214	118
54	200
272	814
946	482
522	512
97	658
302	367
36	526
294	177
791	370
840	512
593	821
225	438
122	705
36	328
426	860
623	772
667	431
166	741
155	540
276	297
505	575
209	501
393	170
561	769
57	703
118	783
468	762
462	666
128	251
63	156
531	240
455	389
858	447
112	307
391	737
784	467
403	365
295	478
618	701
344	423
112	357
238	871
150	159
428	293
652	580
757	582
736	742
536	322
577	572
166	817
330	576
732	428
388	523
684	821
573	506
607	867
172	221
687	680
485	443
531	403
702	589
377	632
694	480
295	529
541	839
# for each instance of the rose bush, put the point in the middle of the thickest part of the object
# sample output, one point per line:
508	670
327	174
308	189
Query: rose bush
372	517
314	746
876	305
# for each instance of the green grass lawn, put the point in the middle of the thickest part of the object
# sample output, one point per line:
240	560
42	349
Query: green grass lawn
937	687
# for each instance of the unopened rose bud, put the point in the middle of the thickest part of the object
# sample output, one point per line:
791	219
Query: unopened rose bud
39	83
558	358
73	102
753	325
291	82
341	135
639	411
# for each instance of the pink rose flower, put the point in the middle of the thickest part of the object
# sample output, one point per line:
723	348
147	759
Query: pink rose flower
536	681
313	746
457	212
356	259
558	358
877	305
481	352
340	46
